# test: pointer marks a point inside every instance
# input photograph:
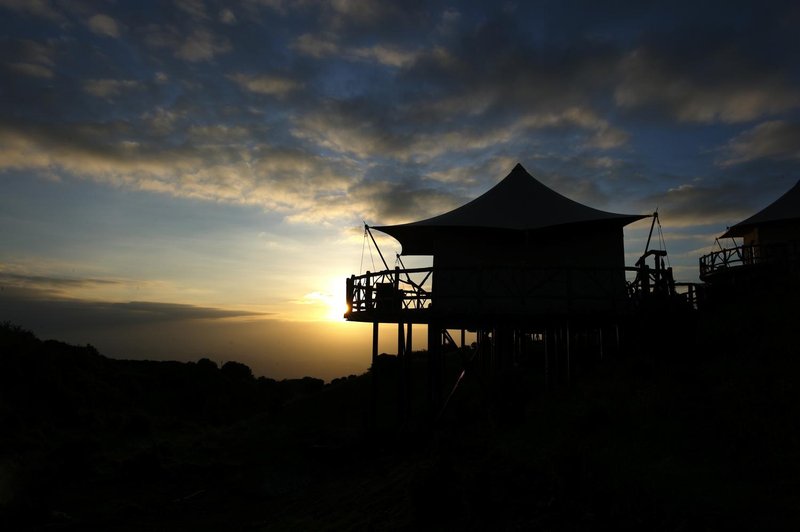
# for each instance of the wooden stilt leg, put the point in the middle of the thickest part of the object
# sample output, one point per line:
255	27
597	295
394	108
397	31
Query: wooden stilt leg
374	386
435	366
568	355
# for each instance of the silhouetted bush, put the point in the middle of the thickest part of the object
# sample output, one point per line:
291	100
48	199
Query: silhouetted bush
205	364
237	371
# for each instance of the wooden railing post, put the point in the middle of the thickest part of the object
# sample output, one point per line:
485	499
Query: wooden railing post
397	301
367	292
349	283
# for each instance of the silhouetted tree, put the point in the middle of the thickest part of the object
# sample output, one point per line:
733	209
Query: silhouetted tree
237	371
206	364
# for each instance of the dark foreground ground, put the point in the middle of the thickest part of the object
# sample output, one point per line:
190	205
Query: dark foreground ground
700	436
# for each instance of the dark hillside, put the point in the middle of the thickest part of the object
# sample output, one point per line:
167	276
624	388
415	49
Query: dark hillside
653	442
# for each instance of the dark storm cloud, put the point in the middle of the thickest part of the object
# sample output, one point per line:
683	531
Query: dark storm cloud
698	204
43	282
725	199
775	139
397	194
723	88
42	309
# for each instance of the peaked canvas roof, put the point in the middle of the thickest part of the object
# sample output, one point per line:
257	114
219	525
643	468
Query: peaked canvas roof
519	203
787	207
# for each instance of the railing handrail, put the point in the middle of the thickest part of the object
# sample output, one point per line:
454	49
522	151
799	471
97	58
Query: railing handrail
395	290
747	255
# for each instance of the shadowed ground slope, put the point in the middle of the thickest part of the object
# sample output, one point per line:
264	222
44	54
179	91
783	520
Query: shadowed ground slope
663	440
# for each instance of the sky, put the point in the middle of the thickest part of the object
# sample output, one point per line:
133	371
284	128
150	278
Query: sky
190	178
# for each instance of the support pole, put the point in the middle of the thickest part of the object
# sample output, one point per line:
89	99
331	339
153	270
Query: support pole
374	344
407	374
556	355
568	356
401	341
374	386
601	342
435	366
401	374
546	340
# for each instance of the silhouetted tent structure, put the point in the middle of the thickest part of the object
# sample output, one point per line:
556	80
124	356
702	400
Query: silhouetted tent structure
521	265
518	207
520	235
770	245
778	222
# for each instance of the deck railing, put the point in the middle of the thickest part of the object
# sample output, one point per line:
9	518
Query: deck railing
512	289
748	255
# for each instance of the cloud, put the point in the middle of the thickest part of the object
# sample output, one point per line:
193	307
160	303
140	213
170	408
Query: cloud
774	139
226	16
196	45
430	96
30	58
322	47
315	46
195	8
202	45
402	200
266	84
37	8
691	204
50	282
104	25
30	305
727	96
361	15
219	164
603	134
161	121
32	70
219	134
109	88
385	55
356	130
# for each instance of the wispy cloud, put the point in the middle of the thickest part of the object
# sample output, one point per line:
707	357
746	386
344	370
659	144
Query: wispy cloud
195	45
37	8
227	16
33	305
104	25
202	45
109	88
774	139
266	84
31	58
46	281
194	8
322	47
32	69
699	204
729	97
346	109
353	130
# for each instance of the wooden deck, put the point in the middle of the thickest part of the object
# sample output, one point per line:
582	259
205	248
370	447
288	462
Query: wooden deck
474	297
749	257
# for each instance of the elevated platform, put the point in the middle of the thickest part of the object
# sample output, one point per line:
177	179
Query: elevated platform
750	263
513	296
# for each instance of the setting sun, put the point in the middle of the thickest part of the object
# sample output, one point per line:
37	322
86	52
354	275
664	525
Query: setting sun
336	302
327	303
